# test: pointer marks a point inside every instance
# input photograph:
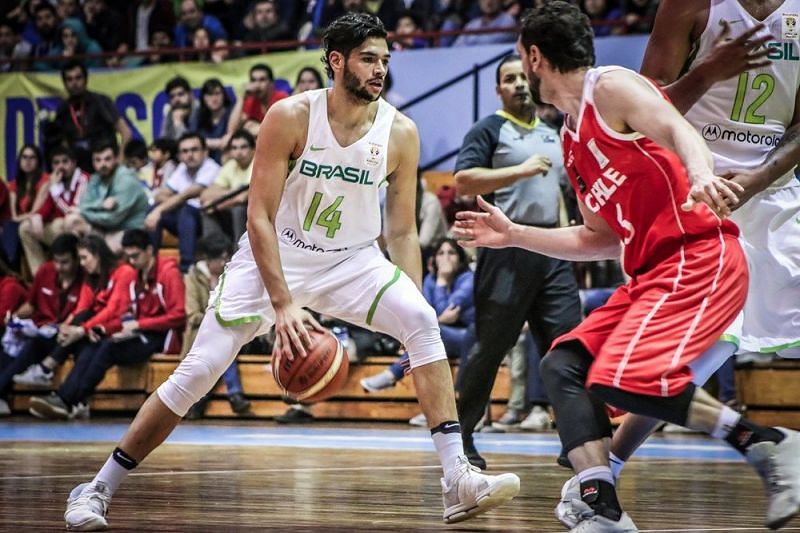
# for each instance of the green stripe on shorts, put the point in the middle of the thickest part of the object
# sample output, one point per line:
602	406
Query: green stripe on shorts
236	321
374	306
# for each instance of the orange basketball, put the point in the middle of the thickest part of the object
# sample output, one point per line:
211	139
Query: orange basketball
317	376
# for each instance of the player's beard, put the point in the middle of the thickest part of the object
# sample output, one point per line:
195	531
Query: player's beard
354	86
534	82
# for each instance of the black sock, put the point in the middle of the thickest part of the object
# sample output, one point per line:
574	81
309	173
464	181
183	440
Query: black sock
124	460
745	433
602	497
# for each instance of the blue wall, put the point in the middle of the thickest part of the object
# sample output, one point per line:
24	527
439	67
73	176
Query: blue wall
443	119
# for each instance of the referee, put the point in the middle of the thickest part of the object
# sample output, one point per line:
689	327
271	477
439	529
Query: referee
515	161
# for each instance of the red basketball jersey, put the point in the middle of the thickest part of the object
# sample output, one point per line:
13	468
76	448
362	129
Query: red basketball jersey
634	184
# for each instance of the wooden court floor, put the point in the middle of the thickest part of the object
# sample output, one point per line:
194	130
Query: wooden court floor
199	488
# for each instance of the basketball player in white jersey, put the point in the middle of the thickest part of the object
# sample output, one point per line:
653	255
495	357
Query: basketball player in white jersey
741	92
311	243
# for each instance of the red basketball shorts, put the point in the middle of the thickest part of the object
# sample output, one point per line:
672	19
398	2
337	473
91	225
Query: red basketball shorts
649	331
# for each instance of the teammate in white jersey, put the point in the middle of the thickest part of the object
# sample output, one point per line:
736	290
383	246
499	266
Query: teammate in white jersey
741	92
311	243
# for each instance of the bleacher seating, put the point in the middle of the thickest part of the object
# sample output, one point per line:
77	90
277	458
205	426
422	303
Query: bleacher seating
770	392
124	390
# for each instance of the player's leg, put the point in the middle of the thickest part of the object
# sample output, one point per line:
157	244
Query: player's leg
397	308
213	351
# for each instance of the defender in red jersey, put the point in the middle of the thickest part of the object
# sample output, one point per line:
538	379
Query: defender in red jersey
646	189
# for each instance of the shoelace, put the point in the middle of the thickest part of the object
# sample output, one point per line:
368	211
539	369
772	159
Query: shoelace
95	499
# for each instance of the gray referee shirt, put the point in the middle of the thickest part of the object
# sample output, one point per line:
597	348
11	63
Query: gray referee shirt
501	140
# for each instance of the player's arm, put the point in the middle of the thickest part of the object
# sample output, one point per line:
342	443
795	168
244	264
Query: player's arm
678	23
628	104
278	139
400	232
592	241
782	159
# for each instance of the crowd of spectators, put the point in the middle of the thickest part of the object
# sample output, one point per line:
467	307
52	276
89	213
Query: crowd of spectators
42	33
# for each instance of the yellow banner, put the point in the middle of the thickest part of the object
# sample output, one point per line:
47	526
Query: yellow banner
138	94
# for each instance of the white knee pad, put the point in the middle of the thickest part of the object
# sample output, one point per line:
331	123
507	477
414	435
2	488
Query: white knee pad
213	351
405	315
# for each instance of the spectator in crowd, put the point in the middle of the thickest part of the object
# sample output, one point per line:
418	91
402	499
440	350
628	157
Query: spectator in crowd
106	26
114	200
308	79
12	46
407	25
73	40
155	324
267	24
67	9
51	301
22	200
600	12
135	157
516	161
492	16
177	202
229	217
206	49
191	18
212	117
202	278
46	20
448	287
182	106
430	221
61	196
260	95
159	39
146	17
84	118
162	154
639	15
12	295
104	297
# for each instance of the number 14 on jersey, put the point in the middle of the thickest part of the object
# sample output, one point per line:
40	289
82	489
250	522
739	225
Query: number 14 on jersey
328	218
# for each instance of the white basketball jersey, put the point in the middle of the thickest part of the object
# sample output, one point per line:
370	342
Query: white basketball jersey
331	199
744	117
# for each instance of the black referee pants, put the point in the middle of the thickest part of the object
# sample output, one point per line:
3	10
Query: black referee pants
513	286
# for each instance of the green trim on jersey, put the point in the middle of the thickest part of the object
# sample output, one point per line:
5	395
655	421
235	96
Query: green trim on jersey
247	319
772	349
733	339
374	305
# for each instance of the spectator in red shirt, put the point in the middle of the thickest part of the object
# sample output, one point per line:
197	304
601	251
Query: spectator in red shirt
51	301
104	297
260	94
158	315
61	196
29	177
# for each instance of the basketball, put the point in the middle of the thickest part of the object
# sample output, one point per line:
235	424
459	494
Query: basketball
317	376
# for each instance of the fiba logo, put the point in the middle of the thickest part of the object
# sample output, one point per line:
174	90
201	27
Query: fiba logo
711	132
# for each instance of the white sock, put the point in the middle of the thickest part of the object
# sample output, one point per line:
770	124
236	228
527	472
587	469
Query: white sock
728	418
616	464
449	447
600	473
112	474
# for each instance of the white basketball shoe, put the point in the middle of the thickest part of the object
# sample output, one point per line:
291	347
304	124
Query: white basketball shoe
87	506
470	493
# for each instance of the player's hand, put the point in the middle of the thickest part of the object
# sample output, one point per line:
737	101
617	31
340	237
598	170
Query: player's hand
490	228
291	333
534	165
718	193
730	57
749	183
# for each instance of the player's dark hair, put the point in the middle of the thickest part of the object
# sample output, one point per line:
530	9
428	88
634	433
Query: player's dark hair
96	245
463	262
507	59
166	145
135	148
192	135
245	135
563	34
213	246
61	149
72	64
105	143
347	33
266	68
